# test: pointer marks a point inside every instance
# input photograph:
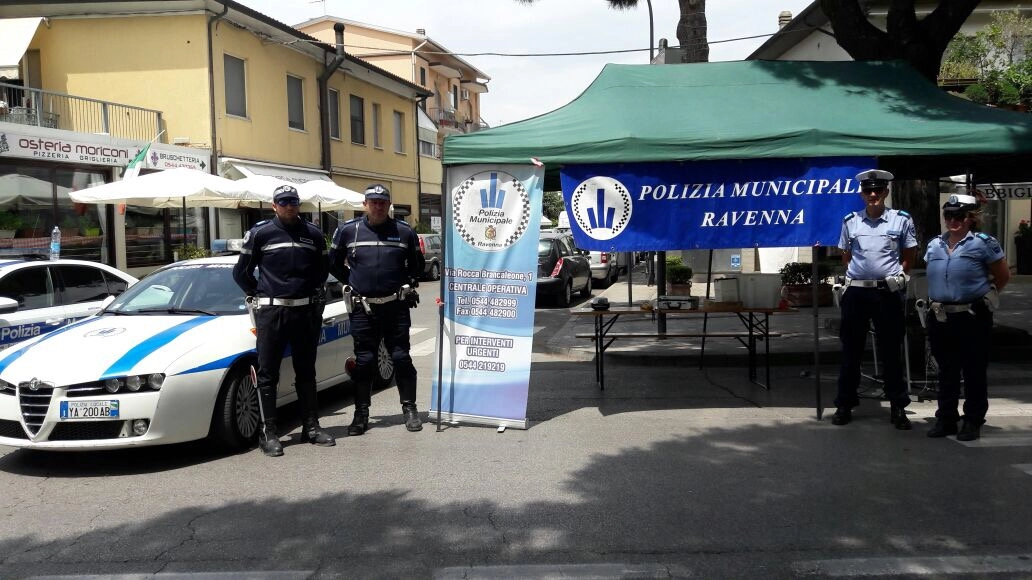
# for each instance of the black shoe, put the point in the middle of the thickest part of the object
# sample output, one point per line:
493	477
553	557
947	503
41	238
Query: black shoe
313	433
268	441
412	422
898	416
942	428
842	417
360	424
969	431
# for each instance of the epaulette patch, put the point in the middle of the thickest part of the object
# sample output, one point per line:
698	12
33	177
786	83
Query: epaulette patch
903	213
848	215
982	235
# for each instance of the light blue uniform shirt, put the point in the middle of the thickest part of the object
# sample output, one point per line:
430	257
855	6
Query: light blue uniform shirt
962	276
876	244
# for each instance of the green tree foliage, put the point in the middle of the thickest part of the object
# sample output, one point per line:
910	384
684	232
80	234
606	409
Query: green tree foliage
998	57
552	205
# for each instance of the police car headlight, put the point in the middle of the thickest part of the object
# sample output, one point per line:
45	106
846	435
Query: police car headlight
112	385
155	381
133	383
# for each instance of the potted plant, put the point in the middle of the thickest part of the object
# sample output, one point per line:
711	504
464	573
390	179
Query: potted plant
797	284
88	226
9	224
678	277
1023	248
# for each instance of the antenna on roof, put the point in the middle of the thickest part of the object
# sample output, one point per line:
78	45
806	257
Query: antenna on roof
323	2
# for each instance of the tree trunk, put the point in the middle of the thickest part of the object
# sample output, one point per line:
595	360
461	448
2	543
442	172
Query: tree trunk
691	31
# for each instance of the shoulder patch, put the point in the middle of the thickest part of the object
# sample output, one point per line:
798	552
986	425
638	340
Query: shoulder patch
983	236
903	213
352	220
848	215
262	223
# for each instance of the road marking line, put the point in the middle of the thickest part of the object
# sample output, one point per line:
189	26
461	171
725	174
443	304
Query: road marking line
562	571
424	348
416	329
999	441
538	329
1026	467
931	566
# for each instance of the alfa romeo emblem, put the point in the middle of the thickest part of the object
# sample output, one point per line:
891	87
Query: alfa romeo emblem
34	384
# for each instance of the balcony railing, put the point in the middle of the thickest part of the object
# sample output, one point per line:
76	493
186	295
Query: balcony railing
443	117
28	106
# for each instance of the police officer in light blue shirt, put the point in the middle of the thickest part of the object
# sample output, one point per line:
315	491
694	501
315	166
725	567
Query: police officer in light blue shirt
966	271
879	246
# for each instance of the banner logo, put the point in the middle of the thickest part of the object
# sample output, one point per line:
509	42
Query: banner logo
602	207
491	211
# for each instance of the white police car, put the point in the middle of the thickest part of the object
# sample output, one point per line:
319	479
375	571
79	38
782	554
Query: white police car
167	361
51	294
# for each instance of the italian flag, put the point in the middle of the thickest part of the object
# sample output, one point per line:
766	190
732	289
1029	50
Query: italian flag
133	169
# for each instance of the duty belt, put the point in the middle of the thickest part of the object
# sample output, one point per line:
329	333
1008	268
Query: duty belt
953	308
381	300
284	301
868	283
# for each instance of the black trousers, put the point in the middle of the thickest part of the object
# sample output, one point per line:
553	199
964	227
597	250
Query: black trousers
861	307
391	323
277	328
961	345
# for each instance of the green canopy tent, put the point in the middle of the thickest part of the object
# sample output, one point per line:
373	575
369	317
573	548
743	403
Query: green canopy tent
765	109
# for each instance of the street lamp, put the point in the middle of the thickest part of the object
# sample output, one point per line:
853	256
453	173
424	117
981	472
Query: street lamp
651	32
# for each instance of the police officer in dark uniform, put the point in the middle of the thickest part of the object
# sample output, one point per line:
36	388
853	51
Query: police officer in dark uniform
879	247
290	254
966	271
378	257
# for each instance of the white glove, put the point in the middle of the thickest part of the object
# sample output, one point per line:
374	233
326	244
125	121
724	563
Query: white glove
992	298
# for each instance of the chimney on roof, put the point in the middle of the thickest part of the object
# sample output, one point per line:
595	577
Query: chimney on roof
784	18
421	31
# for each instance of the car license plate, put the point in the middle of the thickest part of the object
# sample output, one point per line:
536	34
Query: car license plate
89	410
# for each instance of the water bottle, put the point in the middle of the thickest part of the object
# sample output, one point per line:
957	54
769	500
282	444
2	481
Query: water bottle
55	243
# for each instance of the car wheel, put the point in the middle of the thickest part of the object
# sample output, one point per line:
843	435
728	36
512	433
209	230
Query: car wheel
435	271
566	296
384	367
237	418
586	291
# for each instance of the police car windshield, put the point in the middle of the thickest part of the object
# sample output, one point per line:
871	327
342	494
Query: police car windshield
190	289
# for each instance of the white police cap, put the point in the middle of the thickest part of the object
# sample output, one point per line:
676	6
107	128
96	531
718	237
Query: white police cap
874	178
961	202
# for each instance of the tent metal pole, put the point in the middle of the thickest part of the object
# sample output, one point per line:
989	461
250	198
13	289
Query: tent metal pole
816	333
705	315
630	275
661	288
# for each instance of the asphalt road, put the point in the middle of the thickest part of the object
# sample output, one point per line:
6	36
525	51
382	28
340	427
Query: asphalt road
670	473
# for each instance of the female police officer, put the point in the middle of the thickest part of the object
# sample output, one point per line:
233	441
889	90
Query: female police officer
377	256
966	270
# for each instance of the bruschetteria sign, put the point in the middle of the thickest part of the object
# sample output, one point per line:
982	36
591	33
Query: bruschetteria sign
715	204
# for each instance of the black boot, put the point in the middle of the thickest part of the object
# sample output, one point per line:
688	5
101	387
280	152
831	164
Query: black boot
360	423
412	422
969	429
268	441
898	417
942	428
313	433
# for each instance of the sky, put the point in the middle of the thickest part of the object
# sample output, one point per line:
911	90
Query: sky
526	86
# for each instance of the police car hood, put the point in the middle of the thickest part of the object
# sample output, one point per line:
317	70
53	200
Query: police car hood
112	346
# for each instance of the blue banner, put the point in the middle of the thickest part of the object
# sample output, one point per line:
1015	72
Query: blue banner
766	203
488	288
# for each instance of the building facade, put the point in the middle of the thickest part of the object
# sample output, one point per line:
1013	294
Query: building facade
232	91
456	88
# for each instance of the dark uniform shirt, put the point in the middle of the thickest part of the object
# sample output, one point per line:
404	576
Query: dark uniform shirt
291	260
376	260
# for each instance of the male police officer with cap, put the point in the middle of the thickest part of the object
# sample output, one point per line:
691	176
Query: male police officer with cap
879	247
379	258
291	256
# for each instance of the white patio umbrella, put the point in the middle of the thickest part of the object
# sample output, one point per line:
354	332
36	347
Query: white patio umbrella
316	195
172	188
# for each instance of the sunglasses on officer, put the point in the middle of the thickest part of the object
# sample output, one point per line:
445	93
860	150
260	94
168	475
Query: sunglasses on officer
288	201
954	215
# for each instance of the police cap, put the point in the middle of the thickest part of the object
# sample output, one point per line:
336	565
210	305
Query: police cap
378	191
285	192
960	203
874	179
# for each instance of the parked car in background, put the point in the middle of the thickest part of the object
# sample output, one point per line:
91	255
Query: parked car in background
562	268
605	268
53	293
430	245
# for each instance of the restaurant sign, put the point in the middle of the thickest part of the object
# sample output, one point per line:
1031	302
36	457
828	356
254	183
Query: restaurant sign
77	148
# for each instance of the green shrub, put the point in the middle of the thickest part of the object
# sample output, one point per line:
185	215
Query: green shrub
190	251
977	93
678	273
10	220
801	272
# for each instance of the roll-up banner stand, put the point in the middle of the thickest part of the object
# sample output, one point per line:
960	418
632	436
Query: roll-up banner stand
488	286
